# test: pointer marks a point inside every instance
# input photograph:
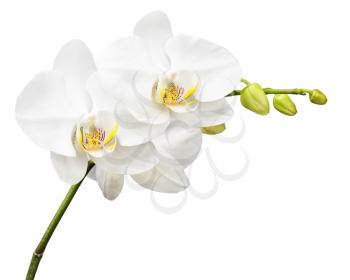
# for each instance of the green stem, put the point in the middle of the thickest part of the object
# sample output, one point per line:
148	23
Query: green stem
244	81
40	249
297	91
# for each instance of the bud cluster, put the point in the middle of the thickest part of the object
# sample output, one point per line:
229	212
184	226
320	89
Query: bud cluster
254	98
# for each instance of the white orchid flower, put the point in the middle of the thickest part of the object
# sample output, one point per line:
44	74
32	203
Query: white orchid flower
168	76
165	88
56	111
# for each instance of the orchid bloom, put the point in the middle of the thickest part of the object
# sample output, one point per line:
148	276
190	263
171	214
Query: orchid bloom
57	112
170	77
175	144
141	112
165	88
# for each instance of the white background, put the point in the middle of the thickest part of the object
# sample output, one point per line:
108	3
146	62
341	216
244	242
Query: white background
286	218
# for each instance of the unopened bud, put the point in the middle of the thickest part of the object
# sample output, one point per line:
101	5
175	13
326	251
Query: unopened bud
318	97
212	130
284	104
254	98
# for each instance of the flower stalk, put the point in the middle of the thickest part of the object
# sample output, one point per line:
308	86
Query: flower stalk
254	98
295	91
40	249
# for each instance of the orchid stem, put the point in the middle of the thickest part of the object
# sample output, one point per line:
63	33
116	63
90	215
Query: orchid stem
296	91
40	249
245	81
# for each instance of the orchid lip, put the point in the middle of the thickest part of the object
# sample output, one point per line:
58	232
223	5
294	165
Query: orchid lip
175	88
96	133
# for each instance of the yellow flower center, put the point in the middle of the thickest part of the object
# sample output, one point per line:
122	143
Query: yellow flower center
175	89
96	134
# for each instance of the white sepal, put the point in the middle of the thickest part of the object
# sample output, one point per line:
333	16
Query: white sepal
111	184
180	144
207	114
129	160
70	169
75	63
166	178
155	29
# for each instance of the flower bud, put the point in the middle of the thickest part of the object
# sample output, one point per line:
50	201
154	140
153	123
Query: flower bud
318	97
254	98
212	130
284	104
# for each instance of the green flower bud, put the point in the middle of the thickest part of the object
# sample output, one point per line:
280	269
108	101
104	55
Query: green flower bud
254	98
284	104
212	130
318	97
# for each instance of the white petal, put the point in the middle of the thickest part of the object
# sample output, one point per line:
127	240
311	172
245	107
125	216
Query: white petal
121	62
128	53
75	62
111	184
138	133
131	109
215	112
218	70
70	169
143	84
163	178
100	99
155	29
207	114
129	160
140	123
179	144
48	113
